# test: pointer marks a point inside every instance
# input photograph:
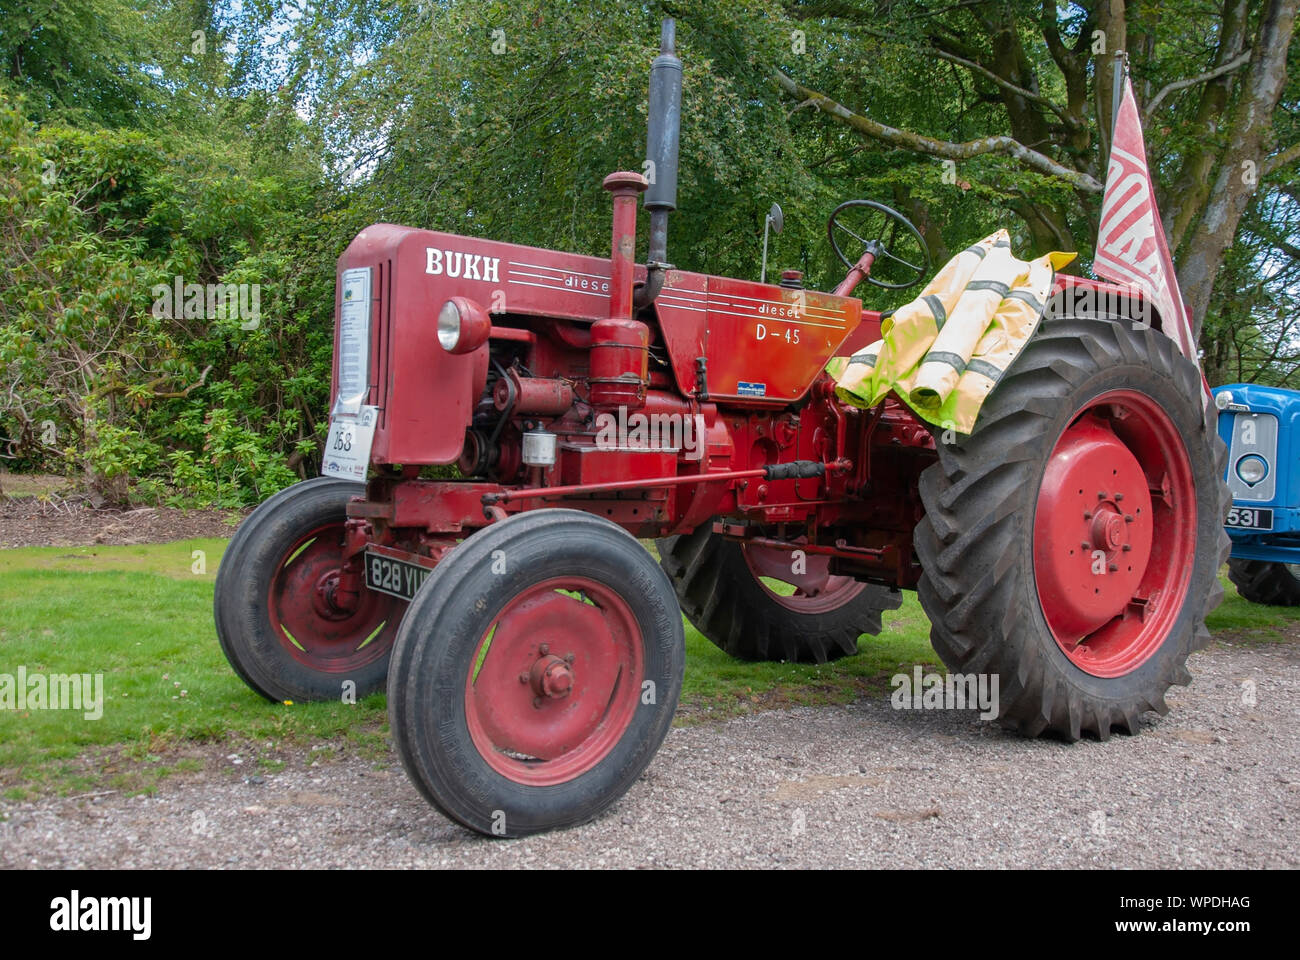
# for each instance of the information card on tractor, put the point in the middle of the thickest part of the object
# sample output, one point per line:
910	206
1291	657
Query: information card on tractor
347	448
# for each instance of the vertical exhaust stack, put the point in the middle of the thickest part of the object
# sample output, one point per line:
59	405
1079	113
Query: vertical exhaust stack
663	137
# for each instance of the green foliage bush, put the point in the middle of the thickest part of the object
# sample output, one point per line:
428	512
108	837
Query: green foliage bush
189	411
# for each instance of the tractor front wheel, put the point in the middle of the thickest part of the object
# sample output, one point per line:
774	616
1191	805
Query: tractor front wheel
1072	542
536	672
1263	581
280	618
756	604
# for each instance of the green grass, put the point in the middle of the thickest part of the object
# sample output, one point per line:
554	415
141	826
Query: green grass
1241	621
142	616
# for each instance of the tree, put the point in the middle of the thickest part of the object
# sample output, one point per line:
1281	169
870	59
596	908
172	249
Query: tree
1212	128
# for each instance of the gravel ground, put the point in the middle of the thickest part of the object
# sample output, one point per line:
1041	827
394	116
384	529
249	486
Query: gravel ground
1216	783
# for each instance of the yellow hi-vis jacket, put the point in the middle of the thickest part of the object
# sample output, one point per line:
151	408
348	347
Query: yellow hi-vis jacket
944	352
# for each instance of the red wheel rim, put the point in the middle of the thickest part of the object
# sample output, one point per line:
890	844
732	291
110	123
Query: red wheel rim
311	628
1115	533
815	589
554	681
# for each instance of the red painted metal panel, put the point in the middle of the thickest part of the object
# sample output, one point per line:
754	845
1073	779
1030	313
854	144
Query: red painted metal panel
587	464
762	343
684	324
415	272
867	333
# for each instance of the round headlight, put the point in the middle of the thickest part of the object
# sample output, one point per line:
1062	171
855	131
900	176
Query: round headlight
1252	469
463	325
449	326
1223	399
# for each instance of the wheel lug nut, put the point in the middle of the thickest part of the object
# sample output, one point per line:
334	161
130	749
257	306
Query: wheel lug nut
1128	518
1101	495
1112	567
523	677
544	649
1085	544
1118	497
1128	547
1087	515
537	703
568	658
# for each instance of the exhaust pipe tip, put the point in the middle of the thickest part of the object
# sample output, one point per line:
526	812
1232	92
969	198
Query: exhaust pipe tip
665	122
663	136
668	36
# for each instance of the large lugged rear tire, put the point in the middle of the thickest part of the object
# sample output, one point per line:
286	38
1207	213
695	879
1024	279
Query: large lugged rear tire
720	585
1071	544
274	618
1262	581
536	673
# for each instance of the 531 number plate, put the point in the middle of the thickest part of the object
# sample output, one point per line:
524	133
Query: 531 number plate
1250	518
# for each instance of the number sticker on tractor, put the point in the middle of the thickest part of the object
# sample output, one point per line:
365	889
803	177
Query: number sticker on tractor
347	447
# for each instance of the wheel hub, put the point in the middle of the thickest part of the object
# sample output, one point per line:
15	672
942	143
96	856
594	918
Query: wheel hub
1115	533
1093	530
323	597
1107	528
554	681
303	603
551	677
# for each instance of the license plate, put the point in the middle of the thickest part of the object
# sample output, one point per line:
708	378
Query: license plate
397	578
347	446
1250	518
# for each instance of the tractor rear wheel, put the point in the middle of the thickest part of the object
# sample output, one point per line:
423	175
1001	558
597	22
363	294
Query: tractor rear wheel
748	600
1072	542
1263	581
274	601
536	672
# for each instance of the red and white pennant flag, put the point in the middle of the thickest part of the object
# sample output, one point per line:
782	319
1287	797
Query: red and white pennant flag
1131	245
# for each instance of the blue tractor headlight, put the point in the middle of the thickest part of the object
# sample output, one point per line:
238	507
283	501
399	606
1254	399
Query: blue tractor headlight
1252	469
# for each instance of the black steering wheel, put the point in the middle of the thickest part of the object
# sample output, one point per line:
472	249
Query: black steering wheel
894	238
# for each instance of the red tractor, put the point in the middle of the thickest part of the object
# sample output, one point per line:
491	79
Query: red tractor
533	649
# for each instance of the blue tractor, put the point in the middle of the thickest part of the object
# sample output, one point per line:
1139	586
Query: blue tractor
1261	426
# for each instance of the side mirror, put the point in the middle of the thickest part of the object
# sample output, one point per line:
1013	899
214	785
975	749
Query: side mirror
775	222
776	219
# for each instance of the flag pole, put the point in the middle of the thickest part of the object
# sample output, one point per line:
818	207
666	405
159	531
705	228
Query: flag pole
1119	66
